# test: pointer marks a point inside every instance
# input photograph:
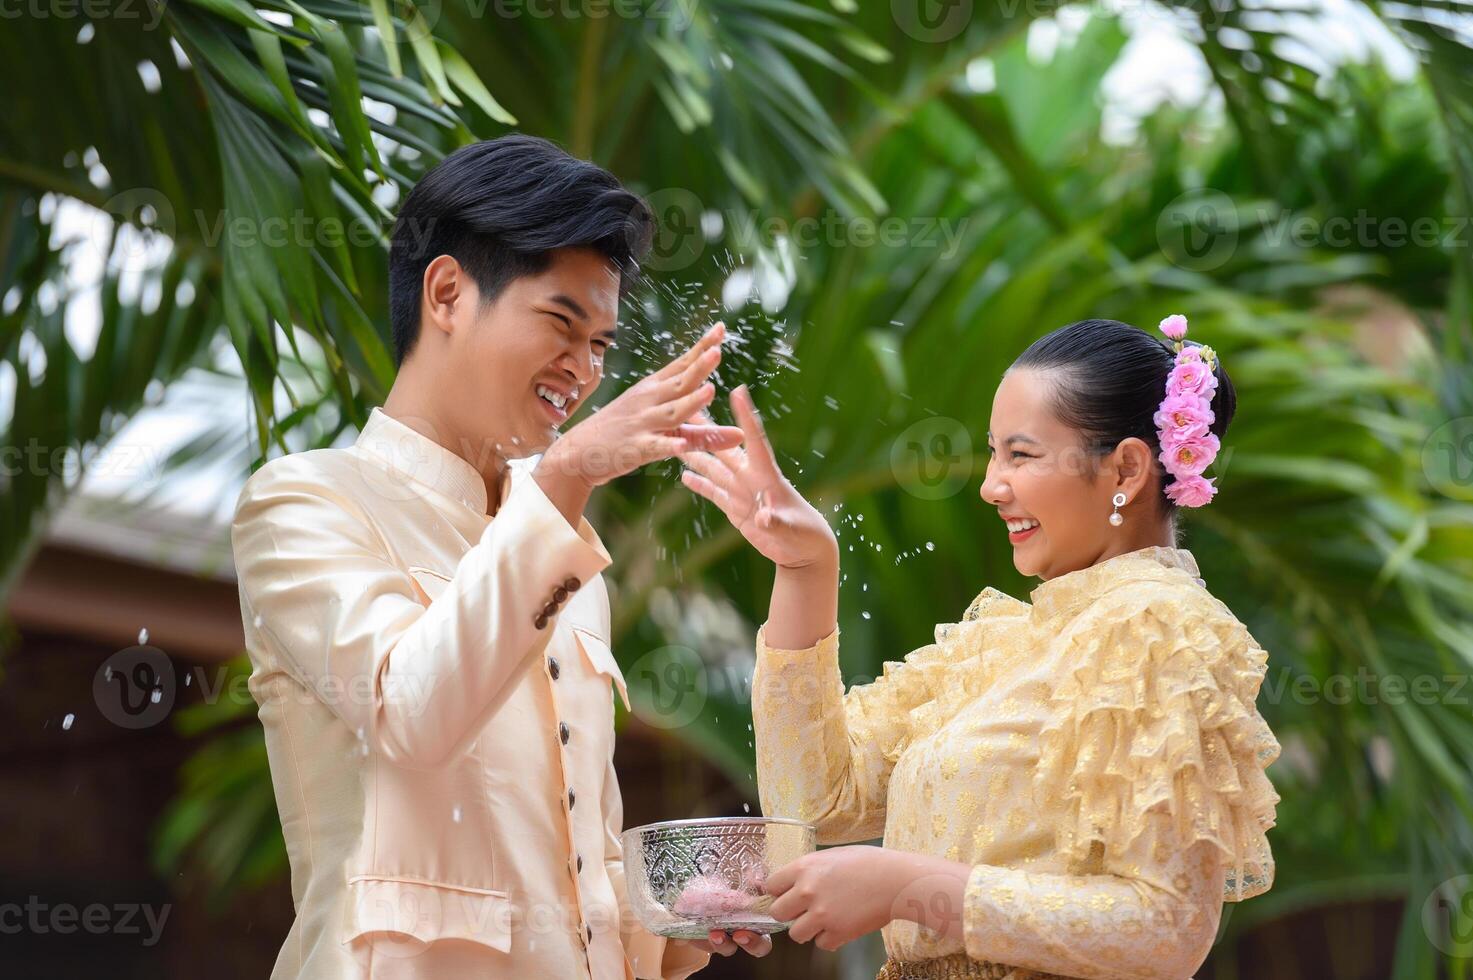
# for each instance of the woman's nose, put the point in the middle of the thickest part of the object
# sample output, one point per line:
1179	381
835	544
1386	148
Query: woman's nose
992	491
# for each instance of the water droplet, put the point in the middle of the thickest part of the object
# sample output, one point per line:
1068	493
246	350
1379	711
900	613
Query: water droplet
186	679
143	636
455	814
865	614
157	696
930	546
746	808
66	723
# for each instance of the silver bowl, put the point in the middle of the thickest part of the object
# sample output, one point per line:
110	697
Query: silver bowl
687	877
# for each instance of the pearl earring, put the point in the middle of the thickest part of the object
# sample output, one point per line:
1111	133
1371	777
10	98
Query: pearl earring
1117	518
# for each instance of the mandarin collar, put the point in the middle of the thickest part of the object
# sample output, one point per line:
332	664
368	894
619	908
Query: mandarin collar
413	456
1060	595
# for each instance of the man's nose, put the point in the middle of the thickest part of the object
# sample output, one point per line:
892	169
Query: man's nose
581	364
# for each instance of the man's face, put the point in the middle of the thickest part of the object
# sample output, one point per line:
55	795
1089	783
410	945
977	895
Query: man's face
522	365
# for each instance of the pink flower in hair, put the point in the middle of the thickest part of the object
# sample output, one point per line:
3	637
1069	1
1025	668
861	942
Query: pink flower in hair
1174	326
1192	491
1191	378
1189	457
1183	416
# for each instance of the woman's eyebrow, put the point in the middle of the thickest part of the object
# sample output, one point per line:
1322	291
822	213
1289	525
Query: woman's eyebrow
1017	437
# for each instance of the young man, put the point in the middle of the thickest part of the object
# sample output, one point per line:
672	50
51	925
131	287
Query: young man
424	610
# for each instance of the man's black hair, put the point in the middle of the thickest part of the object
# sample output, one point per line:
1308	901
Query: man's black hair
500	208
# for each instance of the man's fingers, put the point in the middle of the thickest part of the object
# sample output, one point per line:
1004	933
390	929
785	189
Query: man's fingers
712	337
754	943
711	437
686	406
732	456
693	374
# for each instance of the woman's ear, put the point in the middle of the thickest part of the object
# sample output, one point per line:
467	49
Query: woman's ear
1133	463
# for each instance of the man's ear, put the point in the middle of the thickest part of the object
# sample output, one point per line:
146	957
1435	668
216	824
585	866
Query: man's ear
446	285
1132	464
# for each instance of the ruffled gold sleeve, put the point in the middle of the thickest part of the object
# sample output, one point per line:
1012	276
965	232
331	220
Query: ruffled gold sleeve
1155	715
825	756
1151	774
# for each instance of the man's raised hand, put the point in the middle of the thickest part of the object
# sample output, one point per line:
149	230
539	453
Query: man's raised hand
648	422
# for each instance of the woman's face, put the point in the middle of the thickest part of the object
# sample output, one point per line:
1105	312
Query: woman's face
1038	473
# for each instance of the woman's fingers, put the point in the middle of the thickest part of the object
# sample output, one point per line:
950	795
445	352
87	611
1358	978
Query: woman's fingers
704	487
712	468
803	928
758	448
783	878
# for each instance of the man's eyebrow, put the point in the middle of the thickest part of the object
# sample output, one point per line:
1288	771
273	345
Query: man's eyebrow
571	304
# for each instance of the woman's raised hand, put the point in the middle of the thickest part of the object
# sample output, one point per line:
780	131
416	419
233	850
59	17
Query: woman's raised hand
749	487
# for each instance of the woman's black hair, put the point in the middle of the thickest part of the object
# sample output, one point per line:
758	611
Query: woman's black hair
500	208
1111	378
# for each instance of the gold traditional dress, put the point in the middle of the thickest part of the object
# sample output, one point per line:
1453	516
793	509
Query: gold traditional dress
1095	755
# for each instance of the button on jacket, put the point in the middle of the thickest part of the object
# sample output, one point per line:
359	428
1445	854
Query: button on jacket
436	687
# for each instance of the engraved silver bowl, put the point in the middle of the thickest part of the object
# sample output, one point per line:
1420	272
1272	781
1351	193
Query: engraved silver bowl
687	877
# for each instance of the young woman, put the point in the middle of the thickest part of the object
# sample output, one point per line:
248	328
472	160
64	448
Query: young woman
1067	787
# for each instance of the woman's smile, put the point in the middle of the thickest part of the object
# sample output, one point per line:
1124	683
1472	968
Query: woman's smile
1020	529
